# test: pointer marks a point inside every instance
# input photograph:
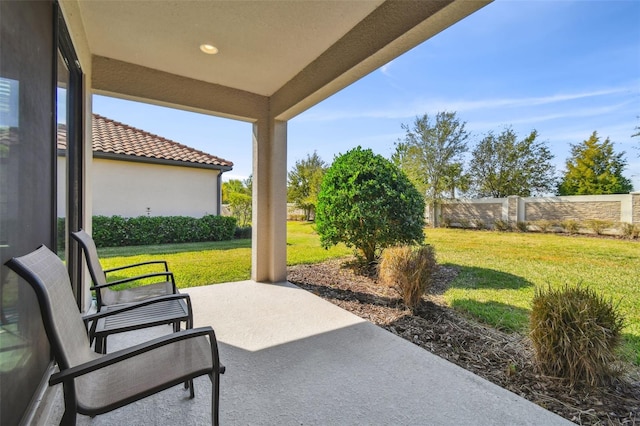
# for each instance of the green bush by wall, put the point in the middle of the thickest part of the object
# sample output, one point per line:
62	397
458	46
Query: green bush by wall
118	231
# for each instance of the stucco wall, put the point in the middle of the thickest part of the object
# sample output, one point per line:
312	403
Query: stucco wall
61	186
565	210
468	211
127	188
624	208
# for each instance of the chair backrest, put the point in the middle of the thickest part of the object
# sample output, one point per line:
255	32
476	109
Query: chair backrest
93	262
48	277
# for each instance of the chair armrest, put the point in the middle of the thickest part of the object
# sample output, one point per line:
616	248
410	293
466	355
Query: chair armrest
115	357
134	265
139	277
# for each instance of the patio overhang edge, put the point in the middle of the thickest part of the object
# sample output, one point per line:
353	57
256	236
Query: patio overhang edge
391	30
138	83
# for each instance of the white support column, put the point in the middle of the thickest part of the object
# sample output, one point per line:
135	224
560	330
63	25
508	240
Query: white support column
269	222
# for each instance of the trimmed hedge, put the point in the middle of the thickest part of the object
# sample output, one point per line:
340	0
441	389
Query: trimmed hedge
116	231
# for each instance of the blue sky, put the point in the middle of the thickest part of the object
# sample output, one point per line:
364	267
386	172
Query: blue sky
564	68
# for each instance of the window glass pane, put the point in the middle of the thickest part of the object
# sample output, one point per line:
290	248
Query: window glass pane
27	155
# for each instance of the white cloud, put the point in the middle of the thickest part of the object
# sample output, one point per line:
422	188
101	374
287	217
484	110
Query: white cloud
563	114
385	68
420	106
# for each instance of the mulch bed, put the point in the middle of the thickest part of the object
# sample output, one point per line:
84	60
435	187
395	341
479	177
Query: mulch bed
505	359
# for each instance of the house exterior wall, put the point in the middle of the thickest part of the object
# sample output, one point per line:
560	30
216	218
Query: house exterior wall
128	189
61	186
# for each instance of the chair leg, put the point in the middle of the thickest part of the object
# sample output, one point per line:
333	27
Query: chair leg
70	407
187	384
68	418
215	398
101	345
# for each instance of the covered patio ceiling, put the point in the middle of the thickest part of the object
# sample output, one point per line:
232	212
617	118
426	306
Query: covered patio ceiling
293	53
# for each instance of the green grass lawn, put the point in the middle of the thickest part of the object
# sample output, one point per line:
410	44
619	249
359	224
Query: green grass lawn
196	264
498	270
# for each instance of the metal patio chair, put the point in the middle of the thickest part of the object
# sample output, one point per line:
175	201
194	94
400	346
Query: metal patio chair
171	307
94	383
105	295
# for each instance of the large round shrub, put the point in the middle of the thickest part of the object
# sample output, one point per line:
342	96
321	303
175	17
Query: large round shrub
368	203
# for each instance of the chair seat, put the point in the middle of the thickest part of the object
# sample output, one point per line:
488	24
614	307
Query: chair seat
116	385
136	294
167	312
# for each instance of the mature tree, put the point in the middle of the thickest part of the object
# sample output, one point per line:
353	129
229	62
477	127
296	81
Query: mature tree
231	186
456	179
502	166
594	168
430	154
237	194
304	184
368	203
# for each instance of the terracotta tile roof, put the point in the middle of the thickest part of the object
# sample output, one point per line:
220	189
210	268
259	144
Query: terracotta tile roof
8	137
113	137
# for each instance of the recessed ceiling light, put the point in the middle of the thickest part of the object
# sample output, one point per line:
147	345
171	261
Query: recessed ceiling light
209	49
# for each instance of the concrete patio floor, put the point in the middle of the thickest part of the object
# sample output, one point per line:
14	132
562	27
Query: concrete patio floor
294	359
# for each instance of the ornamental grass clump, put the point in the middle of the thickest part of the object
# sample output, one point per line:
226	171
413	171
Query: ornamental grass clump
410	270
629	230
598	226
571	226
575	333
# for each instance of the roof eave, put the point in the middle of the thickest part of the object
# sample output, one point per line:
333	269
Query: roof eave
162	161
149	160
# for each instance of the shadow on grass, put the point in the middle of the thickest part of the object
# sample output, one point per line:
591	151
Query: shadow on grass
499	315
472	277
174	248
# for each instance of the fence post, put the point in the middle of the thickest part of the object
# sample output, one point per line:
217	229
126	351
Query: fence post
513	208
437	213
635	207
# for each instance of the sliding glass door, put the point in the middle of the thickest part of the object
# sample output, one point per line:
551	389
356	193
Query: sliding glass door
69	155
